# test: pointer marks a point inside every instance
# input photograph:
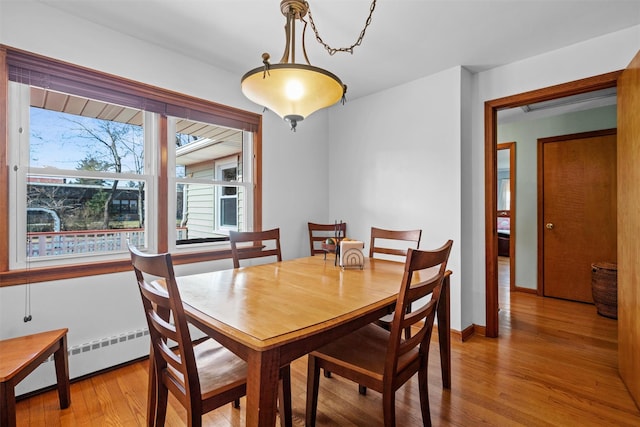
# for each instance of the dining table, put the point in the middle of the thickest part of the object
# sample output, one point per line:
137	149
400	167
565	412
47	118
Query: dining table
271	314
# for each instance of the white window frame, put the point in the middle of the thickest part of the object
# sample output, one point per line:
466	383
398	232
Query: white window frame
220	167
246	186
19	161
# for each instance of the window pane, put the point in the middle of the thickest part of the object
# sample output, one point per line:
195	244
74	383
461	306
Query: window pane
229	212
195	214
88	135
78	205
206	152
66	218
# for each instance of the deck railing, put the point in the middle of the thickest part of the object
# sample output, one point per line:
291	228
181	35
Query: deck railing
86	241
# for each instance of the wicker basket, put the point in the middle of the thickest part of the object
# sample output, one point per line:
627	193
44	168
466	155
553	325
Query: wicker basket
604	287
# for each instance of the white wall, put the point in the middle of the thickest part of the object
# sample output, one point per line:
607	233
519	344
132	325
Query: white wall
526	134
294	181
395	163
589	58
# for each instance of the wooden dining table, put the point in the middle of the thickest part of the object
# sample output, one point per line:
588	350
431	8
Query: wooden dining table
272	314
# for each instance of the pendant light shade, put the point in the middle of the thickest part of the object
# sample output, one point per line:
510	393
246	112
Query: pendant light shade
292	91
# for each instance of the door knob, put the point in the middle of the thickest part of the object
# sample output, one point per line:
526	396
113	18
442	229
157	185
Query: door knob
549	226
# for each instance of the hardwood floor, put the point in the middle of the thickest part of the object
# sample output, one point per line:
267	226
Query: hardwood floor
555	364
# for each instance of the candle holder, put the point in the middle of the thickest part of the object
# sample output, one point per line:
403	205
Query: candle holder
334	247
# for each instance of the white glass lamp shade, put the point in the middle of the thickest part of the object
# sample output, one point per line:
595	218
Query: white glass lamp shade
292	91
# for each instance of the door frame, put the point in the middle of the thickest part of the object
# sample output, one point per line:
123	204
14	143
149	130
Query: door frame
491	108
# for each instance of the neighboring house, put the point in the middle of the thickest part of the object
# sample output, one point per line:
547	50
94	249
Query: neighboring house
74	197
209	212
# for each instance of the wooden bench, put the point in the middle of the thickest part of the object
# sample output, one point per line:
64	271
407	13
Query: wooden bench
20	356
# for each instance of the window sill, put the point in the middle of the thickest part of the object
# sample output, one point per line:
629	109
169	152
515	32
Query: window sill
48	274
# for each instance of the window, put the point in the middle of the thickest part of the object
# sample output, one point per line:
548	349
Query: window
207	157
82	162
228	196
94	159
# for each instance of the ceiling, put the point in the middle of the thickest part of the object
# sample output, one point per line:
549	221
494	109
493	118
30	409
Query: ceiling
407	39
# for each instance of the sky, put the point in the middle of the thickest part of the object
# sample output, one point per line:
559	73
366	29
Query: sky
56	140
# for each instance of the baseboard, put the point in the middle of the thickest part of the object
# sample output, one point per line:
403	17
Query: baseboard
525	290
469	332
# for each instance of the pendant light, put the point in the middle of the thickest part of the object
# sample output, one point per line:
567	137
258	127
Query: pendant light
293	90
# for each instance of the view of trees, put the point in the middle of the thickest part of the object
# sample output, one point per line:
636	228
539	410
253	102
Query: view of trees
85	203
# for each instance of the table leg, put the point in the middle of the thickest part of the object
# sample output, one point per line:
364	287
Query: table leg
444	331
262	387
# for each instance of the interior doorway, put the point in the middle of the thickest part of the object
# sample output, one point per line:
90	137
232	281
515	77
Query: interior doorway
492	107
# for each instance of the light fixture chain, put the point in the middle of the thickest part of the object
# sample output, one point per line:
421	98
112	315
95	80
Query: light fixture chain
333	50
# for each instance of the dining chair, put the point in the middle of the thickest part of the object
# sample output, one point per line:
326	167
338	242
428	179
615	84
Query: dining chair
381	359
393	242
262	244
202	376
319	233
396	244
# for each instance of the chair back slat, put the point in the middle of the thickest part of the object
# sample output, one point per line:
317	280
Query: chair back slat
255	245
166	321
396	242
318	233
423	275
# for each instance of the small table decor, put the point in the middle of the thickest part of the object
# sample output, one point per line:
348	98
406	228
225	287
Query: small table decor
332	244
350	254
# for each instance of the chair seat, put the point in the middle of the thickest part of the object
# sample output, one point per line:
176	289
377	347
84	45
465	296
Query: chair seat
22	355
362	350
218	368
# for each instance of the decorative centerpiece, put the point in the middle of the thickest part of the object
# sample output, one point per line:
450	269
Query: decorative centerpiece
332	244
350	254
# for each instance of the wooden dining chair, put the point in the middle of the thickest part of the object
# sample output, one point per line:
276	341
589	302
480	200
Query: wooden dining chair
393	242
319	233
396	243
202	376
382	360
262	244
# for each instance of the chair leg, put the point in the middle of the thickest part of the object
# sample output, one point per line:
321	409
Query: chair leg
162	396
194	417
327	374
389	408
236	404
61	360
313	381
7	404
423	384
284	392
362	390
152	393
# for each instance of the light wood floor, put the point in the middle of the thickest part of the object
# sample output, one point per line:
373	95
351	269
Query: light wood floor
555	364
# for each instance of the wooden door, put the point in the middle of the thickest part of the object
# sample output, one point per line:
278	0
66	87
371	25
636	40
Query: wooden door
628	226
577	225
